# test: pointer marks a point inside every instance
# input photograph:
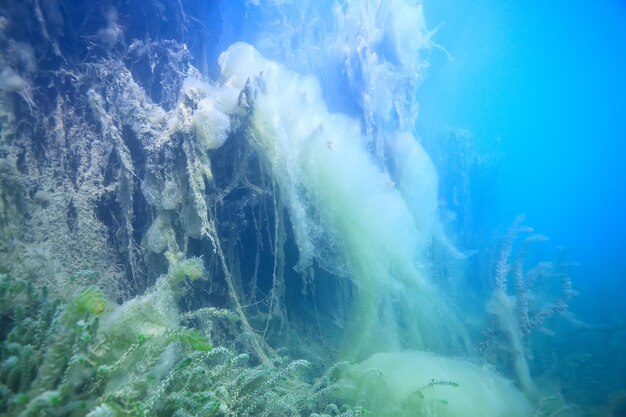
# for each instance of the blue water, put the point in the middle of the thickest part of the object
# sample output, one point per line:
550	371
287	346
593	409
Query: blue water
347	174
540	84
544	83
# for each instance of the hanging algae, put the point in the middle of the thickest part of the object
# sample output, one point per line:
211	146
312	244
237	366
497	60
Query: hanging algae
357	196
335	193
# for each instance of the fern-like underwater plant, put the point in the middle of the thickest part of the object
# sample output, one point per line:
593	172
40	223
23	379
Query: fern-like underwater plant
91	357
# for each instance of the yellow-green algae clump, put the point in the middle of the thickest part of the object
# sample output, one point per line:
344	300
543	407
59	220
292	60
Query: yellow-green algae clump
413	383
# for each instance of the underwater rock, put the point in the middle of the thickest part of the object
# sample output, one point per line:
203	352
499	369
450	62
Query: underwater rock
413	383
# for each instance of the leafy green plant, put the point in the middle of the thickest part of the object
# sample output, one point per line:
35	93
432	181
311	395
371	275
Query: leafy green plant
91	357
44	347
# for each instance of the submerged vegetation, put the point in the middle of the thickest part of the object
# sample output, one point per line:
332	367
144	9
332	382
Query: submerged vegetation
187	235
92	357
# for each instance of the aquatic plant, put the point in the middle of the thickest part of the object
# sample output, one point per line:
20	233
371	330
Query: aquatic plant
188	220
44	348
92	357
518	313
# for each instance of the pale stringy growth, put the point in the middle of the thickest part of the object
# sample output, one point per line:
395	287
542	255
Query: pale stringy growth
49	227
108	183
323	175
160	133
381	45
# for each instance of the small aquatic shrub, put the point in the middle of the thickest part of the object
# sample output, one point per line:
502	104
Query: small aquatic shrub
44	348
91	357
517	308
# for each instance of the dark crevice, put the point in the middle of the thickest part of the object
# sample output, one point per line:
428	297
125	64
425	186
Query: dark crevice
108	213
72	217
111	172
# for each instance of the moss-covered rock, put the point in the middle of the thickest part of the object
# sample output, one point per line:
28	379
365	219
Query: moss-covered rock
423	384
